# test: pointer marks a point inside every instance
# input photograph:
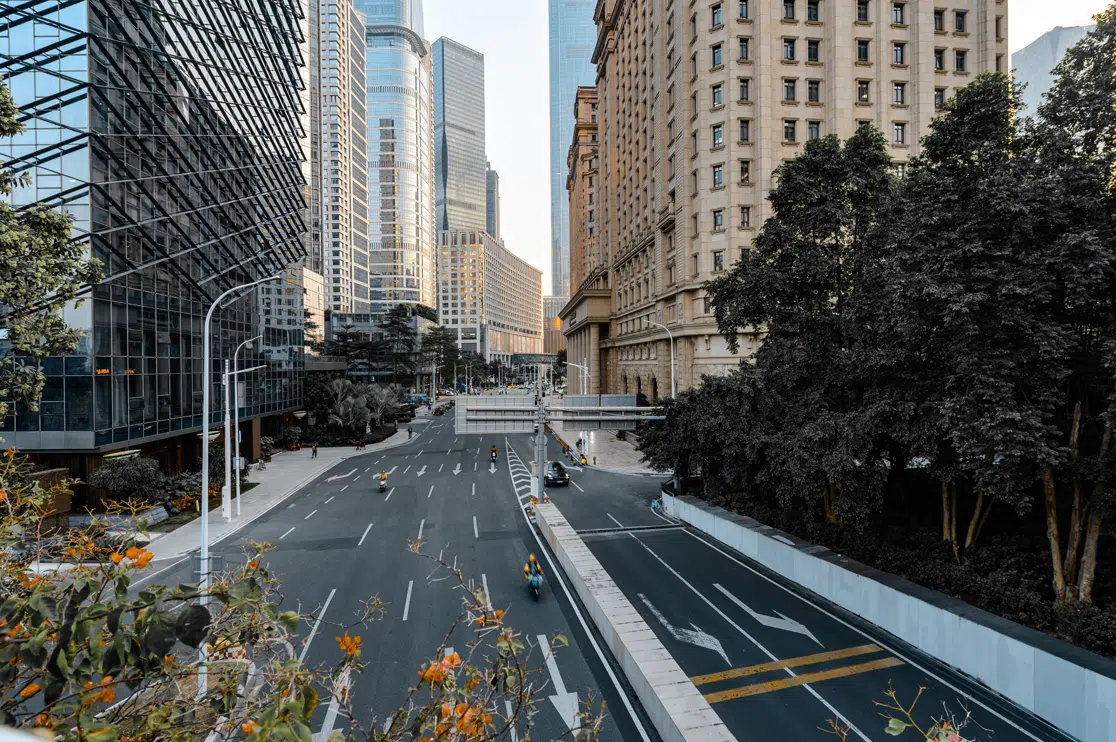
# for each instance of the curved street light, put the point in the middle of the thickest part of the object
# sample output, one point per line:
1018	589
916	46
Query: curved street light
671	335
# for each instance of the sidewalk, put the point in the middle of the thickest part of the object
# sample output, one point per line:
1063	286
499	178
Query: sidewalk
605	452
288	472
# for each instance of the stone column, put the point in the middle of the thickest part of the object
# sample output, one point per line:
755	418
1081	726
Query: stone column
594	358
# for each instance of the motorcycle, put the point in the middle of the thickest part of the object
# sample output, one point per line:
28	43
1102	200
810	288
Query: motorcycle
534	582
383	486
494	455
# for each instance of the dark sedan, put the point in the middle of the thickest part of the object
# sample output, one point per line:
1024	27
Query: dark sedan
556	474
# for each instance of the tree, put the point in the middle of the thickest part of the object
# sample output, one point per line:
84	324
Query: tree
132	478
41	268
439	347
560	364
400	341
348	408
380	400
311	330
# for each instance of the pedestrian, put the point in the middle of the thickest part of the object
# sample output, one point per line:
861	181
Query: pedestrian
314	450
410	432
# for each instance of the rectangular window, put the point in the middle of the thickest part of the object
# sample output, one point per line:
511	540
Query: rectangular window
862	11
744	50
745	89
715	15
670	166
813	91
939	20
788	10
719	261
693	27
788	49
899	133
718	95
862	92
813	14
939	98
813	130
900	93
718	220
961	61
898	14
900	169
745	171
999	28
898	53
862	50
939	59
718	59
960	21
789	90
742	9
789	133
813	50
745	216
745	130
718	176
693	66
718	135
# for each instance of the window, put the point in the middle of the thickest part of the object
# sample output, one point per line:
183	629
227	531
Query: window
742	9
900	170
813	91
718	135
939	20
718	57
719	261
745	216
789	133
862	50
862	92
718	176
788	49
745	130
813	14
999	62
899	133
862	11
693	27
898	14
813	50
899	90
694	184
898	53
939	59
718	95
693	66
745	171
743	50
999	28
813	130
694	103
939	98
670	166
960	21
789	90
745	89
788	10
715	15
693	143
718	220
960	61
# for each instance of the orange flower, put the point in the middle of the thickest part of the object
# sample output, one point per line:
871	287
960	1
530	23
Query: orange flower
433	673
453	660
350	645
446	710
132	552
117	558
30	690
249	727
143	559
43	720
254	564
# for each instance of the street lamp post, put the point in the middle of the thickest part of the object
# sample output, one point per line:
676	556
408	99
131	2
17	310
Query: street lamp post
671	335
236	415
230	378
203	561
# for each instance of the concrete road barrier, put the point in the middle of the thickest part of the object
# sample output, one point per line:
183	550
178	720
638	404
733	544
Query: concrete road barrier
676	707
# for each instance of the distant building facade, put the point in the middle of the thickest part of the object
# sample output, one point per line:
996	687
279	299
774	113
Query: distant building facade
553	339
459	140
492	202
582	181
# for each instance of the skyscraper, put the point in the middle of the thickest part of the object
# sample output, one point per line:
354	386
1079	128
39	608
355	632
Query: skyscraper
400	115
573	35
460	166
492	202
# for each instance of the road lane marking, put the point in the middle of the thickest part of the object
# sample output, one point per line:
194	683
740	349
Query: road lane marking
327	501
422	523
694	635
487	595
392	470
366	530
317	623
474	466
407	603
475	534
474	490
575	484
288	533
614	520
407	469
308	517
440	468
809	659
511	713
389	494
367	468
478	452
448	450
431	492
782	622
797	680
419	453
356	477
345	487
343	684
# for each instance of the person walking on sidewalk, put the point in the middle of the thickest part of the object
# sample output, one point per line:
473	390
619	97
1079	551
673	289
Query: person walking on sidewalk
410	432
314	450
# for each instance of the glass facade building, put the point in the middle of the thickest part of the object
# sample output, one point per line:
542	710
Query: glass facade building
399	100
459	162
185	176
492	202
573	34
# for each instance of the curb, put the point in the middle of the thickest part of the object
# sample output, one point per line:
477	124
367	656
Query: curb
627	473
678	710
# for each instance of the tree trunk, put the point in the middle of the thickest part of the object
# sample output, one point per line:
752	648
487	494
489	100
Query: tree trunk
827	499
1052	536
945	510
953	520
970	536
1089	555
984	519
1077	517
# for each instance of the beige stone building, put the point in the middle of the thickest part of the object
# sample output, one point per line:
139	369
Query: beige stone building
697	104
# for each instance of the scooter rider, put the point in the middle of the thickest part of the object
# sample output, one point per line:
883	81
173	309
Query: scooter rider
532	567
494	453
383	481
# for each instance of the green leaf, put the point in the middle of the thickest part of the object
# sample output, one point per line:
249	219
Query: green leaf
290	619
895	727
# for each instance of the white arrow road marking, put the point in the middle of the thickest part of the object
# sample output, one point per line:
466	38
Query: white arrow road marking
341	476
475	534
317	623
431	492
392	470
697	637
492	469
407	602
389	494
343	684
457	469
784	623
366	530
564	703
421	471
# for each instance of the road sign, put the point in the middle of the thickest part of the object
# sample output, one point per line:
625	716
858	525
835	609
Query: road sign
505	414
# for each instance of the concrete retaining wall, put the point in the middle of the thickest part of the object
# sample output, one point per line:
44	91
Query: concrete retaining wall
1071	688
677	709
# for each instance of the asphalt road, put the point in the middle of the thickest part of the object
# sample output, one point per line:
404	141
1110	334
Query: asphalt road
339	541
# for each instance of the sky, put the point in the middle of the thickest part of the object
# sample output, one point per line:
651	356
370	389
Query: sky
512	35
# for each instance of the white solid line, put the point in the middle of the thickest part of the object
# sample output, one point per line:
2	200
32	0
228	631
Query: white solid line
614	520
366	530
317	623
308	517
407	603
487	595
575	484
345	488
431	492
752	639
327	501
422	523
584	624
389	494
475	534
407	469
356	477
288	533
876	640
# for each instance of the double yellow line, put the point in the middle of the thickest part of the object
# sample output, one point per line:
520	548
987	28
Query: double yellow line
794	681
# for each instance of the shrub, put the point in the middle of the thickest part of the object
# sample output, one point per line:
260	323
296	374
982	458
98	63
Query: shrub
135	479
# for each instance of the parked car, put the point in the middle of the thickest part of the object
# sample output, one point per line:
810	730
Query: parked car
556	475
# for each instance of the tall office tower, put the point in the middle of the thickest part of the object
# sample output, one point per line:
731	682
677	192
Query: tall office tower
399	97
344	174
460	166
314	235
573	33
696	110
490	298
186	178
553	339
492	201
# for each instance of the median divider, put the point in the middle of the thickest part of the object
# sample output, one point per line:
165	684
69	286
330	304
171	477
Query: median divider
676	707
